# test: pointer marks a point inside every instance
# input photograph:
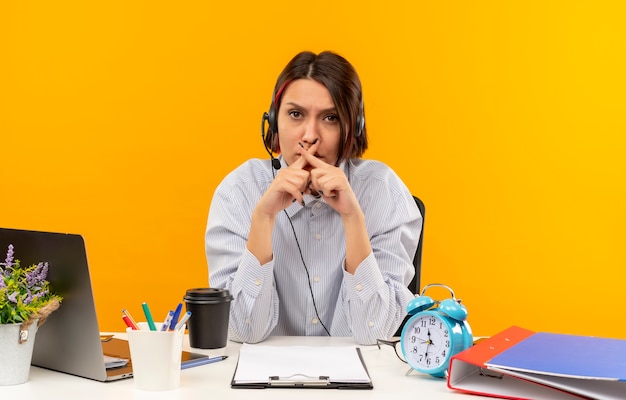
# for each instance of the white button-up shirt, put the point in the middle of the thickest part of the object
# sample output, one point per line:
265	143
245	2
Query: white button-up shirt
289	297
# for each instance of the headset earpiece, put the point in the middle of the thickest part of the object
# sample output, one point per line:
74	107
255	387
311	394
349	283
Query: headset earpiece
271	118
268	136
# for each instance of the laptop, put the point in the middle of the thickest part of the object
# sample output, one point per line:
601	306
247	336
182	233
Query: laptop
69	341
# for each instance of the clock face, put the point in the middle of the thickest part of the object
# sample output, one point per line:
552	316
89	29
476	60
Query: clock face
427	342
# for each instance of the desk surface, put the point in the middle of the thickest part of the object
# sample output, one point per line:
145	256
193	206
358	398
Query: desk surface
213	380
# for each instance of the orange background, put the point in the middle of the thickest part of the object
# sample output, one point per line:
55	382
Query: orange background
118	119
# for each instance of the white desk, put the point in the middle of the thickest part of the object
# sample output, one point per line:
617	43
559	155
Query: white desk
212	381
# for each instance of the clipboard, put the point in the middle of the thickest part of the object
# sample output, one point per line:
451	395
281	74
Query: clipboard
300	367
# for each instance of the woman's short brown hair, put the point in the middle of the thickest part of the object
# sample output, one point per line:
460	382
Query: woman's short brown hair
340	78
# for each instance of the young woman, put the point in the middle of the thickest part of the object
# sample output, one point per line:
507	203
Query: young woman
317	241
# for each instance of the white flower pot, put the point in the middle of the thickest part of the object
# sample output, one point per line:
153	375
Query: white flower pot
15	357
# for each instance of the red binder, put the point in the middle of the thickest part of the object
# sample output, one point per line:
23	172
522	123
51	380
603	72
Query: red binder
468	372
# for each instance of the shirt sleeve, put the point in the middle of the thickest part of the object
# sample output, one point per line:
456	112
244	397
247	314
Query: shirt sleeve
254	309
374	299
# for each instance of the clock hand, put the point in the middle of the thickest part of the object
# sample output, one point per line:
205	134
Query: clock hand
428	343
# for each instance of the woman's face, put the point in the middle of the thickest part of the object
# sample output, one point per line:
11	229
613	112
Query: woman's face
307	113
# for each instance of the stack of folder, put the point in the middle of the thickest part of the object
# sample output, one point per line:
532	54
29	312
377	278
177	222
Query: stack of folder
521	364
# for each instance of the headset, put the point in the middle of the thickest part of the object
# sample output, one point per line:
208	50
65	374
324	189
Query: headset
272	122
275	161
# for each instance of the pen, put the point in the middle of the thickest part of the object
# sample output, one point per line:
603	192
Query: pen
128	322
132	321
201	361
179	308
183	320
146	311
168	320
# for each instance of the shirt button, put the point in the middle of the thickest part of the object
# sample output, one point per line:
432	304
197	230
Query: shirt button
314	321
318	236
359	287
371	323
316	278
257	282
247	320
317	205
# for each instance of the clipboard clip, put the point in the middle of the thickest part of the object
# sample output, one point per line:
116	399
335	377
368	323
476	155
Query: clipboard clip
298	380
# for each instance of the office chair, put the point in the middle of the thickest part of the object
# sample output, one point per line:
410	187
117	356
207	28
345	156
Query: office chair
414	286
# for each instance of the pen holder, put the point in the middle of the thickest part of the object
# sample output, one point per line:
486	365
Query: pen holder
155	357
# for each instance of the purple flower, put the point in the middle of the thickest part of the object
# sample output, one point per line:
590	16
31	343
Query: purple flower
29	298
37	296
37	275
9	260
13	297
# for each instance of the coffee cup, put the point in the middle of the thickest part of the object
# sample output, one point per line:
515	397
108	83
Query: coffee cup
210	310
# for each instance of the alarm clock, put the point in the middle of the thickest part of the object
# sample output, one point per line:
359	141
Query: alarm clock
435	332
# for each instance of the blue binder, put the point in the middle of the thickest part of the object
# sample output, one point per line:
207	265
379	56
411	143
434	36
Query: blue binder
593	367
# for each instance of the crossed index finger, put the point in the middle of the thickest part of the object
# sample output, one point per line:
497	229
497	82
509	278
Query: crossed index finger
305	155
311	159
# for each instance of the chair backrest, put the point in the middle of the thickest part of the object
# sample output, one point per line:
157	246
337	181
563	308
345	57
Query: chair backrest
414	286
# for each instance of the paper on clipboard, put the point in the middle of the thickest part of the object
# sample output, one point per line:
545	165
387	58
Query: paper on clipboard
263	365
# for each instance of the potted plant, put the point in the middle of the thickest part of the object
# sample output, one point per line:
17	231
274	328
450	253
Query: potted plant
25	303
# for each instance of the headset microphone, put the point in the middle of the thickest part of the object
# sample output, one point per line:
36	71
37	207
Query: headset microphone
275	161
